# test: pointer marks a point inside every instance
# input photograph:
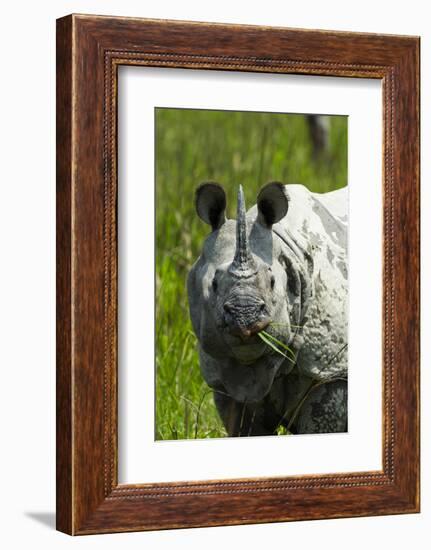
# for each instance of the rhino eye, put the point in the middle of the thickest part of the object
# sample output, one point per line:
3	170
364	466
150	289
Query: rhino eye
214	285
272	282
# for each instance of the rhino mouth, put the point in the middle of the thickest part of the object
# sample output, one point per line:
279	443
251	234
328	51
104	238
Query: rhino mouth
249	350
245	332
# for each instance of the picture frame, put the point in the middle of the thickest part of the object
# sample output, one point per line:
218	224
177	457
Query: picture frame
89	51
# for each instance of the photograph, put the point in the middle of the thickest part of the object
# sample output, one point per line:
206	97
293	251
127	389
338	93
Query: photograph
251	285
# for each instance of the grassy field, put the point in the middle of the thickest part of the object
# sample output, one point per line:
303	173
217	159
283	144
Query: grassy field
193	146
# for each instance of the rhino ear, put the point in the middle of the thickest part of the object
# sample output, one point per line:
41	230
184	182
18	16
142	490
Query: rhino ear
272	203
211	204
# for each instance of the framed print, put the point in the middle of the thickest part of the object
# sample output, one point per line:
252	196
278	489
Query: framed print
237	274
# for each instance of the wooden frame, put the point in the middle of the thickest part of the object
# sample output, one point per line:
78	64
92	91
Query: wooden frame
89	51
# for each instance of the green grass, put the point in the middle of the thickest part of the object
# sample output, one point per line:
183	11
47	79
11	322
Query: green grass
231	148
277	346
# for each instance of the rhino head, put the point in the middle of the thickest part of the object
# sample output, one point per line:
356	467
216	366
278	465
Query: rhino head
239	287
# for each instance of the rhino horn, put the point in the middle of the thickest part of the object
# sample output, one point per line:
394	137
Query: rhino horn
243	264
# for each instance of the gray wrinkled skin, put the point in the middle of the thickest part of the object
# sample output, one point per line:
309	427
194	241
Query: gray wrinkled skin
285	273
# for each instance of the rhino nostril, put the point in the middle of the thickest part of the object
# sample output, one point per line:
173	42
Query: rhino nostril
227	308
262	307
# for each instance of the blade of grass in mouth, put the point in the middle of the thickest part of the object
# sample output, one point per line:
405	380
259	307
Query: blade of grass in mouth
278	342
273	346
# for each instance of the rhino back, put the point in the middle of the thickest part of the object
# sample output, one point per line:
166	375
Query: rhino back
316	224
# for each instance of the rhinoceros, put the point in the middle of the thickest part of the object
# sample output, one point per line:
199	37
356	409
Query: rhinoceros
268	304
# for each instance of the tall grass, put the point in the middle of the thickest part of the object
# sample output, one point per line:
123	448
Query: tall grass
232	148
